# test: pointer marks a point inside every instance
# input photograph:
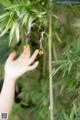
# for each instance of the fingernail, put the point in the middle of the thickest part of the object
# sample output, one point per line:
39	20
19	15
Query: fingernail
26	46
37	62
37	50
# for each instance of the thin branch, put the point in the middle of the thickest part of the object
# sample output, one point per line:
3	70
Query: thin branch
50	67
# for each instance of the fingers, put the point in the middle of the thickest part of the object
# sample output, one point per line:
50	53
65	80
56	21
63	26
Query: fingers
12	56
26	52
33	57
32	67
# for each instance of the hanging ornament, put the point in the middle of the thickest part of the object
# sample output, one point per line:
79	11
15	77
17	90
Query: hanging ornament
41	52
27	36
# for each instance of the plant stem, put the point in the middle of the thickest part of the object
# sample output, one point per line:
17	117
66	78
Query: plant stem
50	67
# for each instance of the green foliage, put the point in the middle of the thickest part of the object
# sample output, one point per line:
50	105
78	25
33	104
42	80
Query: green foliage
18	17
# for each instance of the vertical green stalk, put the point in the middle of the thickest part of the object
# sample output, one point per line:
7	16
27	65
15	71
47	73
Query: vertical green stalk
50	67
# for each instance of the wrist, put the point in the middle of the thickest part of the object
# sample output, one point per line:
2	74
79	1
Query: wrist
9	78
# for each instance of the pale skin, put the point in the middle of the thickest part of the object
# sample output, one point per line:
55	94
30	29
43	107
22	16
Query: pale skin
14	68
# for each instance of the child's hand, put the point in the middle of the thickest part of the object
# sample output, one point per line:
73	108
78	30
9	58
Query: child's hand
14	68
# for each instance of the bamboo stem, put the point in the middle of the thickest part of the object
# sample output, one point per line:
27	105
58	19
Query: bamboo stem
50	68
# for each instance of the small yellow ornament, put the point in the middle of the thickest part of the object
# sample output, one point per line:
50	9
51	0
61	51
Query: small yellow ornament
41	52
24	46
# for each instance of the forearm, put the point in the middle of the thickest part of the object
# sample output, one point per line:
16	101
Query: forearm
7	95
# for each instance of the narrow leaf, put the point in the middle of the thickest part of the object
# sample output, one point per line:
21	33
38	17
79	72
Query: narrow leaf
30	23
17	31
4	31
24	22
12	32
58	37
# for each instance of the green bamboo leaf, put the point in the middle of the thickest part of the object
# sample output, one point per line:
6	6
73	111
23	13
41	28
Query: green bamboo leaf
34	10
70	66
41	14
58	37
7	26
55	16
73	112
17	31
6	3
3	16
59	62
25	19
18	13
65	116
12	32
4	31
30	23
54	72
14	6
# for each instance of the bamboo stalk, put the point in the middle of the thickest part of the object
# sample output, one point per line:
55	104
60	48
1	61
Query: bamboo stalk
50	67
